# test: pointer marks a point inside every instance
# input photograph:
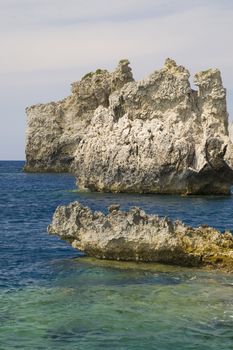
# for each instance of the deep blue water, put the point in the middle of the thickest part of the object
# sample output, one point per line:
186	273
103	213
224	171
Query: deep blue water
53	298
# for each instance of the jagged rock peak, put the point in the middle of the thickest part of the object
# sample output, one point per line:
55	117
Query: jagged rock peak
172	67
116	79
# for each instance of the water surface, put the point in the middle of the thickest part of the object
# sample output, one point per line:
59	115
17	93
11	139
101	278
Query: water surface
53	298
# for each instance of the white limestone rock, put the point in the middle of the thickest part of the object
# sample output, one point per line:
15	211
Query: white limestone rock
136	236
157	135
55	129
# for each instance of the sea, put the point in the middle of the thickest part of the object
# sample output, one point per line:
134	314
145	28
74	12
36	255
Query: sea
53	297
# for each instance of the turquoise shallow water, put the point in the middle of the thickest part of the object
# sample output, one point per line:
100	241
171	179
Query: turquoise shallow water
51	297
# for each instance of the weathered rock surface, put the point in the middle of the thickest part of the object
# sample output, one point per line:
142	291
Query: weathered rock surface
136	236
231	131
55	129
157	135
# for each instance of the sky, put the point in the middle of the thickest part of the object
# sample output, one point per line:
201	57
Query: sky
47	44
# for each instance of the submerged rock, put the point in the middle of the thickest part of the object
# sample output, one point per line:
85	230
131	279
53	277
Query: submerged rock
137	236
157	135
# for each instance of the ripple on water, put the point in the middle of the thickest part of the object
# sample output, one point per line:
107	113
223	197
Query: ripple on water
52	299
116	308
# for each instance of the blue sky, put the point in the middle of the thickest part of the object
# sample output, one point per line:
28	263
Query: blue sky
47	44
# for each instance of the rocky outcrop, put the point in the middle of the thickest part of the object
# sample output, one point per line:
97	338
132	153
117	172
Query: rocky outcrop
55	129
157	135
136	236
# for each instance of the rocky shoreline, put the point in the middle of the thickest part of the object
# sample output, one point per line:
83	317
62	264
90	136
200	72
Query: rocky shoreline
137	236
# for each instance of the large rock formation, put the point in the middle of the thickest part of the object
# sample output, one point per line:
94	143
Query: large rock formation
55	129
156	135
136	236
